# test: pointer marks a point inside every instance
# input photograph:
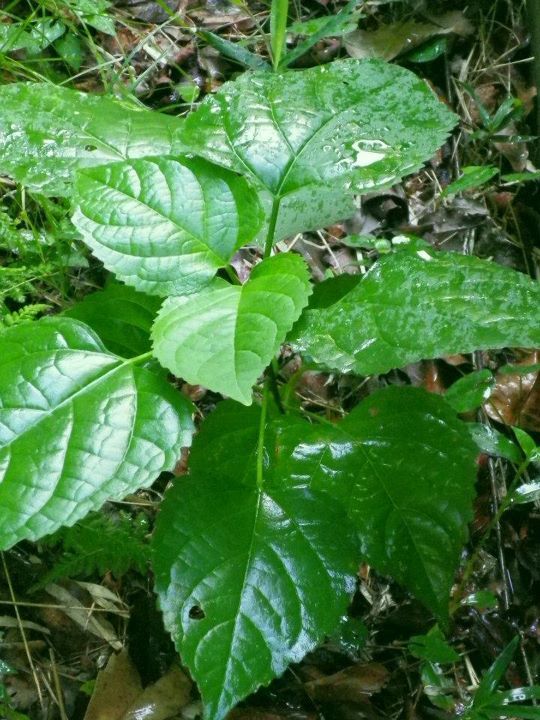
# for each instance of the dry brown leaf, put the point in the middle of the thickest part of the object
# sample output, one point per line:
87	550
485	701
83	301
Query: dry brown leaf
162	700
117	686
516	398
352	685
389	41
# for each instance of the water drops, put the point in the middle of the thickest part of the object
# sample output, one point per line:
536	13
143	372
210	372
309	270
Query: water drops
369	152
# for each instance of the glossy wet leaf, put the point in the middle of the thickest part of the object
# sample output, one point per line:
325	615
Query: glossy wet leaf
78	426
418	305
404	467
250	578
164	225
493	442
310	136
47	132
121	316
224	336
470	391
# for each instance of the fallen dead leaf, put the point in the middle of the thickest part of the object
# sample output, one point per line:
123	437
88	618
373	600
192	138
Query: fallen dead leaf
162	700
516	398
116	688
352	685
389	41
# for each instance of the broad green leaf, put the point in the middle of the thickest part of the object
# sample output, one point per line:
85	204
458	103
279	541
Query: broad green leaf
404	467
470	391
251	576
46	132
78	426
164	225
313	138
412	306
121	316
224	336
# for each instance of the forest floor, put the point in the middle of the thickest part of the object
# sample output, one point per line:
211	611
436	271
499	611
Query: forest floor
68	607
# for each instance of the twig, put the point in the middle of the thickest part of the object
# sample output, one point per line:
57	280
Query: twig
23	634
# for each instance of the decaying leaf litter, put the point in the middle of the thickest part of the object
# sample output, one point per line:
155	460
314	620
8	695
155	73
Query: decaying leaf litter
57	635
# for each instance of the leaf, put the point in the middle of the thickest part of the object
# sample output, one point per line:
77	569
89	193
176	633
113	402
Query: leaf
47	132
78	426
30	36
472	177
234	51
404	467
491	679
121	316
432	647
164	226
250	576
389	41
414	306
470	391
313	138
224	336
279	10
325	27
493	442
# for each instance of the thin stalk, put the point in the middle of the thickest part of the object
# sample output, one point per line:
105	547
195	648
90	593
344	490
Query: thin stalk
139	358
269	242
260	442
493	523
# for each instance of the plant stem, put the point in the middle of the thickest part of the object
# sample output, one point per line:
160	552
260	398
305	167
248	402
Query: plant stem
139	358
533	10
269	242
260	443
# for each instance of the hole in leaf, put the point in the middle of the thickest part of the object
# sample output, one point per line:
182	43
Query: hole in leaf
90	148
196	613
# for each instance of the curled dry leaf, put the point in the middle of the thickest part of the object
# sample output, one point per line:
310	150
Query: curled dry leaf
516	398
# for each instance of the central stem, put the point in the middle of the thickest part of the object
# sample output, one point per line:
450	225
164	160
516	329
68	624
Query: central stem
271	227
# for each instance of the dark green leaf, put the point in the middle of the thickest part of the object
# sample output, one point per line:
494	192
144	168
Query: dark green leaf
432	647
472	177
470	391
78	426
224	336
315	137
46	132
250	575
403	465
234	51
121	316
492	678
493	442
165	226
328	27
412	306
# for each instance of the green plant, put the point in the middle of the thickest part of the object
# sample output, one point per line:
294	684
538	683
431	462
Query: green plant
255	553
